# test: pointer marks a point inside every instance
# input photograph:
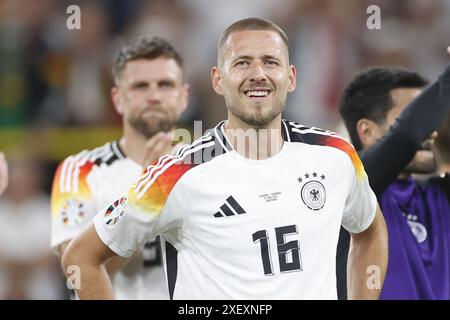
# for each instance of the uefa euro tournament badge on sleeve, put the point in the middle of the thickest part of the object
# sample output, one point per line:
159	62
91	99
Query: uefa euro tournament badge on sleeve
114	212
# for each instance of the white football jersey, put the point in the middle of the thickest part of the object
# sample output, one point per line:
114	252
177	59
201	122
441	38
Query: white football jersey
236	228
85	184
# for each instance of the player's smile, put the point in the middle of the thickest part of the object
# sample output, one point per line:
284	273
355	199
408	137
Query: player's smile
257	93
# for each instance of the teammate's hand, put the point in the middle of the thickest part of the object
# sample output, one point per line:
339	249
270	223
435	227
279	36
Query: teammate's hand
448	50
3	173
157	146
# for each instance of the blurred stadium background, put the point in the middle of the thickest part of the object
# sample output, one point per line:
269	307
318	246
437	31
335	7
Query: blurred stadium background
54	87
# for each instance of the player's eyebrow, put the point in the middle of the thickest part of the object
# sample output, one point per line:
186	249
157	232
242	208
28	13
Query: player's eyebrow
169	82
138	83
264	57
242	57
270	57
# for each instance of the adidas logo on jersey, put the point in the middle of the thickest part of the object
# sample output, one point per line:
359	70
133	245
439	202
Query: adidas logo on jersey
230	208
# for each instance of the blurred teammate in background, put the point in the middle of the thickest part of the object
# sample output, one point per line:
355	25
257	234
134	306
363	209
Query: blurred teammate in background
150	94
3	173
394	143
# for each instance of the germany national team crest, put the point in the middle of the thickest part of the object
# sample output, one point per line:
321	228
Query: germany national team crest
313	191
114	212
73	212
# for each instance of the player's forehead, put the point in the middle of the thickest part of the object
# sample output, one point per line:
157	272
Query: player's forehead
401	97
152	70
254	43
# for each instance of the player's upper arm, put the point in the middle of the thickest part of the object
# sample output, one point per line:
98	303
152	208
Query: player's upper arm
72	203
376	228
361	203
150	208
86	248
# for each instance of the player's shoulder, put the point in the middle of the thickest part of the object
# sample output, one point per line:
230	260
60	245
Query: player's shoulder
202	150
84	161
105	154
170	168
185	156
298	133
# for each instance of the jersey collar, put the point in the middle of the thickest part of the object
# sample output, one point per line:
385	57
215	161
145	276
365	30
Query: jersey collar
117	150
219	132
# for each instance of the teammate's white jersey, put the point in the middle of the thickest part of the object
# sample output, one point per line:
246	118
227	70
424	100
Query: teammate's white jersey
85	184
236	228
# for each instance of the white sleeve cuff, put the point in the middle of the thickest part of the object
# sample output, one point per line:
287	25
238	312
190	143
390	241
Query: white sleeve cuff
106	239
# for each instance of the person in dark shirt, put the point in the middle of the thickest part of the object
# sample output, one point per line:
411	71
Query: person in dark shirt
443	155
391	120
3	173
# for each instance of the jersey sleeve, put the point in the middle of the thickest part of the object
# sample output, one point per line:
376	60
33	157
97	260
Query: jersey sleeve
361	203
149	209
72	202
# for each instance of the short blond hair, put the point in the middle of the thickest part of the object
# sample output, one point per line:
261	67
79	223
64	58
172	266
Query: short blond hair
252	24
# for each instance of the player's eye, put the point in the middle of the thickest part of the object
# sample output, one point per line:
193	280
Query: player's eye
272	62
241	63
139	85
166	84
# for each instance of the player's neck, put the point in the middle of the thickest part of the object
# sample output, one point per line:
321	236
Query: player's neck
133	143
254	142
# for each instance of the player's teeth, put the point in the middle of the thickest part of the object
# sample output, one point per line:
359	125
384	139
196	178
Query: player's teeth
257	93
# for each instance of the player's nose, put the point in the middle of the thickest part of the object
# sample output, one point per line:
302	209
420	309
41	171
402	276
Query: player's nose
257	73
153	95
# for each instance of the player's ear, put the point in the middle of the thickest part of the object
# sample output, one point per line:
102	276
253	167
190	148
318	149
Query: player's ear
216	80
116	100
369	132
292	78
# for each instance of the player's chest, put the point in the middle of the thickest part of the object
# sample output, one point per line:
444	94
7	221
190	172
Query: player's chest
290	196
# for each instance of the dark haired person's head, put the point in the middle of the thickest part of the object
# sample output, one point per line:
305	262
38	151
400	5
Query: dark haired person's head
253	72
149	91
145	48
371	103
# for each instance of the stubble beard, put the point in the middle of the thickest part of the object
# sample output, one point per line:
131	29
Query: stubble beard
257	115
421	166
149	128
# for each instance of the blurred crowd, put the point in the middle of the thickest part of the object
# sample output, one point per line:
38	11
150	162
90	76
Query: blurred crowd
52	77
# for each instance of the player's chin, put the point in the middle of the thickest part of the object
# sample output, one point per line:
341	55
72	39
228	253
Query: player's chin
155	119
259	119
423	162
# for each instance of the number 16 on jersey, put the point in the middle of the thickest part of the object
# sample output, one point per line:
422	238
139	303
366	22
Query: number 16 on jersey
289	256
